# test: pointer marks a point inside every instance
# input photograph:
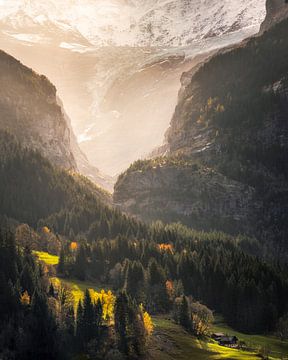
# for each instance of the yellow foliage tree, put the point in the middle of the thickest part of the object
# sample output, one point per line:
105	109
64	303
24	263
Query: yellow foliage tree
107	300
148	324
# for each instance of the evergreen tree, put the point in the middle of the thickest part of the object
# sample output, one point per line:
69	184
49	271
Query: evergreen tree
98	315
41	332
184	314
121	322
80	326
81	263
88	318
158	299
61	264
135	281
51	291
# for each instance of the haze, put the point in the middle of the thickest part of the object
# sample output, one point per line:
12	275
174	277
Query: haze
117	64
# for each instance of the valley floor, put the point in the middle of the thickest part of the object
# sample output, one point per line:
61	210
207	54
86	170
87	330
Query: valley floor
170	341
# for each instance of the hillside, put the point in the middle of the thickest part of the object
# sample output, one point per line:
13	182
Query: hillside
226	166
68	199
117	64
31	110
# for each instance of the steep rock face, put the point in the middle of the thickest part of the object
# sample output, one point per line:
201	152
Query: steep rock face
277	10
188	194
231	118
29	109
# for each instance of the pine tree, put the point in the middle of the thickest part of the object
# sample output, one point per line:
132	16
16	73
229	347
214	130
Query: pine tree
98	314
184	314
137	332
42	330
51	291
88	318
61	264
81	264
121	322
80	326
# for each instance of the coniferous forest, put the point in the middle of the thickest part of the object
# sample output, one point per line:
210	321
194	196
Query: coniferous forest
149	269
187	259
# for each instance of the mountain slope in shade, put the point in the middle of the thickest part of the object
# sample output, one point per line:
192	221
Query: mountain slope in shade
31	111
226	167
276	10
120	99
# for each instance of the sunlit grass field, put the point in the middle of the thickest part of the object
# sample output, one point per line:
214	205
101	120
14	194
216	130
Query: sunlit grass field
77	287
174	343
47	258
277	347
171	342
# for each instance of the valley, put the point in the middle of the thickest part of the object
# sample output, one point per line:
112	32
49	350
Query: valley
170	340
143	180
121	95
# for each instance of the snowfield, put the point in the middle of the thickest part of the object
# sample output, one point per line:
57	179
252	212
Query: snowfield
117	64
137	22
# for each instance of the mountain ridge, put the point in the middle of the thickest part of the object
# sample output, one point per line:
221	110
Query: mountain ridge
31	110
221	129
142	23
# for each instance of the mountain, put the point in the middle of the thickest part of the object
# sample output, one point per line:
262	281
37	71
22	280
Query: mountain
40	28
138	22
276	10
31	110
226	166
117	64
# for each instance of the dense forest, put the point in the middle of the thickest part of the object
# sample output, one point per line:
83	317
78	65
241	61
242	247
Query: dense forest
159	268
237	102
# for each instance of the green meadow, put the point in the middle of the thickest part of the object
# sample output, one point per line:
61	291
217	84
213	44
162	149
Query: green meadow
171	342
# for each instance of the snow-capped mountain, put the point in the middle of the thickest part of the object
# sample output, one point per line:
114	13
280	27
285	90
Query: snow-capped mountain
40	29
117	64
138	22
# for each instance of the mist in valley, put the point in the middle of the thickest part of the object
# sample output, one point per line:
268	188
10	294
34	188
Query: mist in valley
117	65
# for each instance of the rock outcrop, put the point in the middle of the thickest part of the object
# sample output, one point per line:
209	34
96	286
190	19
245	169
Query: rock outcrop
276	10
29	110
230	124
192	195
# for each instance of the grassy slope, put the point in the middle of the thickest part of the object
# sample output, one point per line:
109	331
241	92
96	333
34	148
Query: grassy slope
48	259
171	342
276	346
77	287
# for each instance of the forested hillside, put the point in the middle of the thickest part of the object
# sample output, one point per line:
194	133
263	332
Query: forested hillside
33	189
82	280
226	168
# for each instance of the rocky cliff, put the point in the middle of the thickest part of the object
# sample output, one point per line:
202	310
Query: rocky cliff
276	10
31	110
228	143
